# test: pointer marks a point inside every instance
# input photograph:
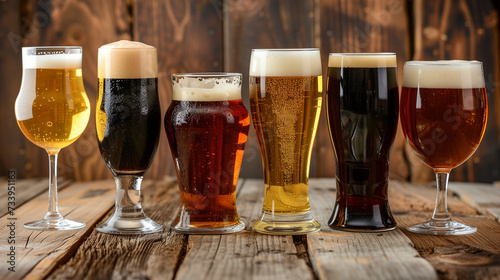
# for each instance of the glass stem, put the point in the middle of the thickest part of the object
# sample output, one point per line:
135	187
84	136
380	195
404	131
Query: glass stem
441	211
128	197
53	211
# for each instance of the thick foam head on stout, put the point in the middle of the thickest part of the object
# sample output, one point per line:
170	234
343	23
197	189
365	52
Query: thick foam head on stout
362	60
285	62
127	60
443	74
206	87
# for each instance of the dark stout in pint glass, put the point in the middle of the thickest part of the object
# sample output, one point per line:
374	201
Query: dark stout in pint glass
362	108
207	128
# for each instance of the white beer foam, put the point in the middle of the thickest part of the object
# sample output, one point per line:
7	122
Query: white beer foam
192	89
127	60
285	62
443	74
362	60
53	61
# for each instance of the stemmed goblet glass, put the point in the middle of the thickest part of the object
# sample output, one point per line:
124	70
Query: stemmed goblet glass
443	114
52	110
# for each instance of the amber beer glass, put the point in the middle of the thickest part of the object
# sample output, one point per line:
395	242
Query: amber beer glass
207	128
443	115
362	111
128	123
285	100
52	110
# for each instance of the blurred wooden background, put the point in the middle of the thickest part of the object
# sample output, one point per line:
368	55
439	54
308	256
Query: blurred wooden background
218	35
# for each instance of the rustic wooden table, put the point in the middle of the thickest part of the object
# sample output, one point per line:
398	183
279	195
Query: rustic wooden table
329	254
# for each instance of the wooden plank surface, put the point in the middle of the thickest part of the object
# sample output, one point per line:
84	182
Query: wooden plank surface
483	197
473	256
329	254
151	256
349	255
25	190
40	252
246	255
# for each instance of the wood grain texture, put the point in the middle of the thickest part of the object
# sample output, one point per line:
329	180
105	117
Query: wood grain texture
329	254
14	153
465	29
473	256
362	26
89	24
263	24
483	197
188	36
40	252
151	256
245	255
349	255
25	190
405	197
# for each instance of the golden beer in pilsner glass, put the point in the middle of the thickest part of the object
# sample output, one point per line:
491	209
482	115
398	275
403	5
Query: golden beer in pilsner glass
285	100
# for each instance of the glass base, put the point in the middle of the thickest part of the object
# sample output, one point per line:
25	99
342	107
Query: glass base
360	229
286	224
210	230
442	228
59	224
129	226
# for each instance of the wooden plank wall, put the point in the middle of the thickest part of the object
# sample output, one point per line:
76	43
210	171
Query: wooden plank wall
218	35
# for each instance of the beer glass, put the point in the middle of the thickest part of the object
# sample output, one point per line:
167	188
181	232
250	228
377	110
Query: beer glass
52	110
128	123
443	115
207	127
362	111
285	100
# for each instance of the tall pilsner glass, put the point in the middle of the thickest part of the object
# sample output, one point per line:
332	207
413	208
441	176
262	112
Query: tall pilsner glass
443	115
128	123
52	110
362	108
285	100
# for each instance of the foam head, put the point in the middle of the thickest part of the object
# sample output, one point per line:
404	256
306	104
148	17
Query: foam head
362	60
206	86
285	62
52	57
443	74
127	60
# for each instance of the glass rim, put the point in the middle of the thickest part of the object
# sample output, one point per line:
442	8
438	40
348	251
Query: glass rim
363	54
207	75
285	50
437	63
53	47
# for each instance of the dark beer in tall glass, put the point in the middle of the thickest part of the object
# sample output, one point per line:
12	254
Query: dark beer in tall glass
207	128
128	124
129	138
362	108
